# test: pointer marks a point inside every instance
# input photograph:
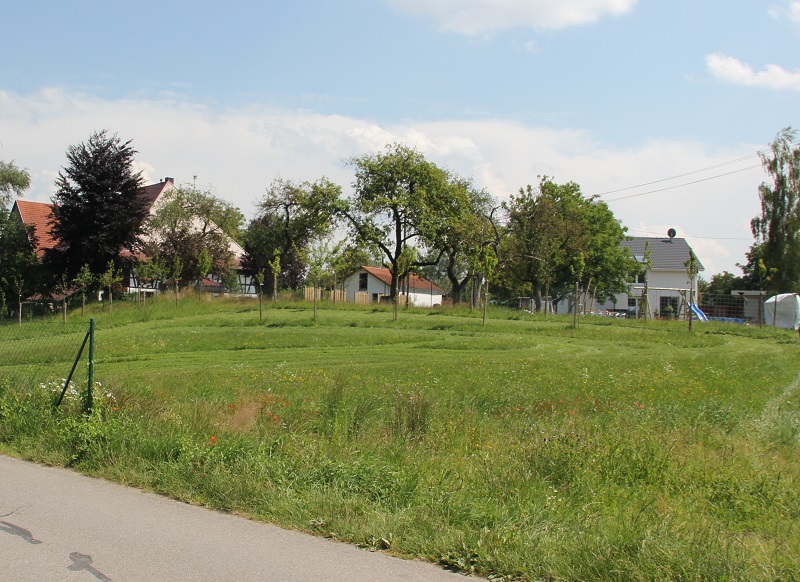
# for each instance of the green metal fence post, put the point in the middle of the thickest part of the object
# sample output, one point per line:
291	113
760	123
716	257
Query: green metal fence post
89	399
74	365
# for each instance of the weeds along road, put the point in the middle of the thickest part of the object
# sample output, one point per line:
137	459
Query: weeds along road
58	525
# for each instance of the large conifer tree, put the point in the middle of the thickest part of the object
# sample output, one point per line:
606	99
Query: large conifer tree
98	206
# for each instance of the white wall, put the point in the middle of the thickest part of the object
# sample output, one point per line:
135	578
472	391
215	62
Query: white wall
374	286
417	297
422	298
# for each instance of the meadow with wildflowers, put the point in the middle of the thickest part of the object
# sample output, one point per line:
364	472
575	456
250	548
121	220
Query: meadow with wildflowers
520	450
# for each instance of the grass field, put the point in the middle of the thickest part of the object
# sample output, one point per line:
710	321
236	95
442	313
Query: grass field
522	450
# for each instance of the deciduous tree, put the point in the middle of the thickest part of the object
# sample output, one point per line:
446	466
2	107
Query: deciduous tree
109	279
83	282
197	228
557	236
13	180
17	259
399	200
290	216
468	229
777	227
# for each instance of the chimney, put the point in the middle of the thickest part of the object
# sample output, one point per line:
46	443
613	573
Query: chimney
170	180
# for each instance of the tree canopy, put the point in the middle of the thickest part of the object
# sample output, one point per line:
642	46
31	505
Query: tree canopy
463	235
196	228
17	259
13	180
290	216
557	237
399	197
98	207
777	227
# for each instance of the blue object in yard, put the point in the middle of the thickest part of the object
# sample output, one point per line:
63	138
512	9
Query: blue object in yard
698	313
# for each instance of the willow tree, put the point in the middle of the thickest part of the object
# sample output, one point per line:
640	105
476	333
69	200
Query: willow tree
777	227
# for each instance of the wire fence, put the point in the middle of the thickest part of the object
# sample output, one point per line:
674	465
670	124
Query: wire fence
41	353
742	307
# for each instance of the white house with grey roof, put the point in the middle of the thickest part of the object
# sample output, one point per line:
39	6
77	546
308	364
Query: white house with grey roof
667	280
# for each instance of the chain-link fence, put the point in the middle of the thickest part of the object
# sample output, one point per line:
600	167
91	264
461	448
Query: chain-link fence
42	353
744	307
738	307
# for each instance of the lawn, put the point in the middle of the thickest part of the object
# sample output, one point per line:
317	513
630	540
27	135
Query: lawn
520	450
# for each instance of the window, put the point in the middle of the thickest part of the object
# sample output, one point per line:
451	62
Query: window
640	278
632	301
362	281
668	307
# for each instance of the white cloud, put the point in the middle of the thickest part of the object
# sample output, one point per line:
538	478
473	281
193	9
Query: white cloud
732	70
485	16
532	47
792	11
238	152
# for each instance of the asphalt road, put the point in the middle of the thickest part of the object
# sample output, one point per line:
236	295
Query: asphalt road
57	525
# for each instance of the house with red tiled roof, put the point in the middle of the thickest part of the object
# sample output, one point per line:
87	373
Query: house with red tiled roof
371	284
39	215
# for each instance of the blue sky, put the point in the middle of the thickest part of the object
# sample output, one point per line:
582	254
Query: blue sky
611	94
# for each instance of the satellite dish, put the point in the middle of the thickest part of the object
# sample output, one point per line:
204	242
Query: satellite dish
671	233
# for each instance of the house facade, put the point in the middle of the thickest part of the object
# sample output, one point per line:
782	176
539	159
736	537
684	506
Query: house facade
371	284
667	281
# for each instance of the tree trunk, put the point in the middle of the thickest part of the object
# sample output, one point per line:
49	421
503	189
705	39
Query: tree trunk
456	285
394	282
485	299
537	298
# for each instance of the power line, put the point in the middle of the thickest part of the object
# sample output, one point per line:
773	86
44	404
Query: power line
691	235
701	170
681	185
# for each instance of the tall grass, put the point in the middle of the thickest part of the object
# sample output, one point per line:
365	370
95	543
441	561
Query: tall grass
523	450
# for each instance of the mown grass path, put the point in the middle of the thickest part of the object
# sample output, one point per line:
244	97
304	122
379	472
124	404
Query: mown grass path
524	449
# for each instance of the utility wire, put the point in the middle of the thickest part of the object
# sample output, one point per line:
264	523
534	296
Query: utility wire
714	167
691	235
701	170
681	185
